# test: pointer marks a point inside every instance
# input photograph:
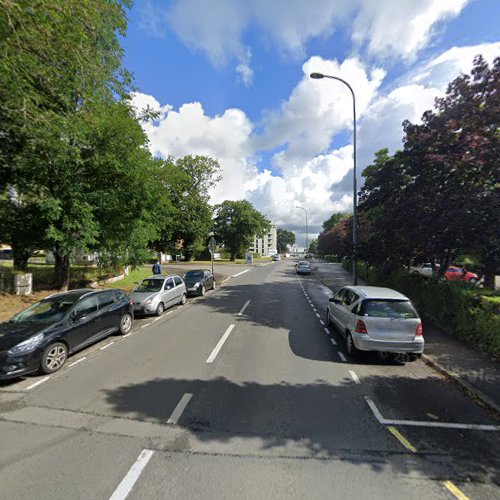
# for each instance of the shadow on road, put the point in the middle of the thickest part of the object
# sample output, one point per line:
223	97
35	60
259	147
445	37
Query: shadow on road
316	420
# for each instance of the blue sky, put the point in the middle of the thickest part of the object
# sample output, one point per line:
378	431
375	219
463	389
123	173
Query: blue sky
230	78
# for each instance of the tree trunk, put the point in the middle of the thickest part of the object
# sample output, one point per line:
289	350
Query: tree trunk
61	271
21	257
444	263
233	255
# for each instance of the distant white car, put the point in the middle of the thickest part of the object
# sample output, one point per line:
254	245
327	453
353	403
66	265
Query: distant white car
377	319
276	257
424	269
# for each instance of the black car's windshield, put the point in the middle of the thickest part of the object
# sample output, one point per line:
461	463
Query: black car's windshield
150	286
194	275
46	311
381	308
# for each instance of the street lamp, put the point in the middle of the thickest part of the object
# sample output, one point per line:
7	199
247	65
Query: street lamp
354	186
307	248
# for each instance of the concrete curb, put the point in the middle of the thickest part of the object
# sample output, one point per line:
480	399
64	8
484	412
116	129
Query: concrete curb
474	391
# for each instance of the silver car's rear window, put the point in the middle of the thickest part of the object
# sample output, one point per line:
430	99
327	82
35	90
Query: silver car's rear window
383	308
150	285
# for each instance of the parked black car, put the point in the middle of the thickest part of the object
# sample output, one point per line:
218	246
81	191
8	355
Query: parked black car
41	337
198	281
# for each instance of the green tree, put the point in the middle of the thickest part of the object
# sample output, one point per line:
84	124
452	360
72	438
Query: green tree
189	220
236	224
284	238
334	220
313	247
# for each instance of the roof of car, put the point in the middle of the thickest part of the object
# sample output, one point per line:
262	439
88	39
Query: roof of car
79	292
377	292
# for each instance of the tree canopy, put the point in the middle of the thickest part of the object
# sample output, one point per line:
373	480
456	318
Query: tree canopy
284	238
236	223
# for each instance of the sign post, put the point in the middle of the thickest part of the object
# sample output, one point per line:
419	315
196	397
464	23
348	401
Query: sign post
211	247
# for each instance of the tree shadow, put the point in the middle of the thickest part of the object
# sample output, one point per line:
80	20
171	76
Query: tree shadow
318	419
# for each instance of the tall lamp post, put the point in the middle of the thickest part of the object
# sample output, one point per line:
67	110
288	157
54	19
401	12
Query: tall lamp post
354	186
307	232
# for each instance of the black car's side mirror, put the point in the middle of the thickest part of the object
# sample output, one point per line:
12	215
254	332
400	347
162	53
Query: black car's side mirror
334	300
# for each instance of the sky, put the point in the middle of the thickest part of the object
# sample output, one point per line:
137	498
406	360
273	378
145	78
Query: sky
230	79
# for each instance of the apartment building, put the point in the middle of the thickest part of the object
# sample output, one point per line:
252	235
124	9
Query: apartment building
266	245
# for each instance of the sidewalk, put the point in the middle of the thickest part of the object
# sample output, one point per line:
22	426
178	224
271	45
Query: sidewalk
475	371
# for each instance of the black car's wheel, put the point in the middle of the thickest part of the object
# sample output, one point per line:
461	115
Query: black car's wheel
214	286
350	347
183	299
54	357
202	290
125	324
160	309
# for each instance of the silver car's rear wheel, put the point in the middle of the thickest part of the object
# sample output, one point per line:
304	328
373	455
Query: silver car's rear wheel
183	299
202	290
351	348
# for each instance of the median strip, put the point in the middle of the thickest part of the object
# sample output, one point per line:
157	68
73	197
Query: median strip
125	487
244	307
179	409
219	345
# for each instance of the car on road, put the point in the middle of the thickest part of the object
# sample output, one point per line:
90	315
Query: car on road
377	319
303	267
42	336
155	294
424	269
276	257
198	281
456	273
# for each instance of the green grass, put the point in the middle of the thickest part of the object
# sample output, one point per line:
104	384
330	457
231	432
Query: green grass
132	279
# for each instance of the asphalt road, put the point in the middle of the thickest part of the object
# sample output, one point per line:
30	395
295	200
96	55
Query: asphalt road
243	394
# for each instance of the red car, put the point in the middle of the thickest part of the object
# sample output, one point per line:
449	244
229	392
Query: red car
455	273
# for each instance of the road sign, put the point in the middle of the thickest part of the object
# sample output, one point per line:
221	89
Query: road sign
211	244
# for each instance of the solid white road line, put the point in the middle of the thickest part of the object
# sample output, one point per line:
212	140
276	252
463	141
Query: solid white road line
36	384
342	357
220	344
354	377
333	341
125	487
242	272
181	406
244	307
77	361
106	346
375	411
419	423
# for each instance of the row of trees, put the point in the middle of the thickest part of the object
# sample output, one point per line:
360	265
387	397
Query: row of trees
439	196
76	172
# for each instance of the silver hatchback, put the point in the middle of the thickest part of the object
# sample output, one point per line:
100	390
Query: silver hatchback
376	319
155	294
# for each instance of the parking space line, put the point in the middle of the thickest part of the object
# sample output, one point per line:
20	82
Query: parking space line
127	483
244	307
333	341
77	361
422	423
219	345
36	384
181	406
342	357
106	346
456	491
354	377
158	318
144	326
242	272
401	439
322	322
317	315
326	331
